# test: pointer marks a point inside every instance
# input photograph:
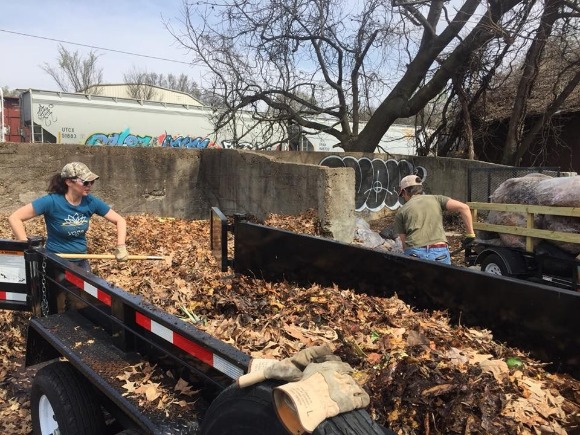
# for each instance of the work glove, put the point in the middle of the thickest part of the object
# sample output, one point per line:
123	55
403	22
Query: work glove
468	240
288	369
121	253
325	390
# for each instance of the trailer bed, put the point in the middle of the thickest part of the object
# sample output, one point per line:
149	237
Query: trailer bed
90	349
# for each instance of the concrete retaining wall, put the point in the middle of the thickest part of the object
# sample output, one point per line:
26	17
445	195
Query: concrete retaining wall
186	183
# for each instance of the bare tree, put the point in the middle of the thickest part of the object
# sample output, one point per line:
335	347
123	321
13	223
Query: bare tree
139	84
560	73
532	71
7	92
528	78
75	73
351	57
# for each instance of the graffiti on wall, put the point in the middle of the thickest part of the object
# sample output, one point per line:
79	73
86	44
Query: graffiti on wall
179	141
166	140
124	138
376	180
46	115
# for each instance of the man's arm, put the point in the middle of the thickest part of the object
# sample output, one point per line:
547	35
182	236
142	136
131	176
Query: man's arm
403	238
465	212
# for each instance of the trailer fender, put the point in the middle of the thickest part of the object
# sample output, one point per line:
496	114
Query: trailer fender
250	411
512	261
38	349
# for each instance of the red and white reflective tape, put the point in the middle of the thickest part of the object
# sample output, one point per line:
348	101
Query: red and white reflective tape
89	288
12	296
201	353
194	349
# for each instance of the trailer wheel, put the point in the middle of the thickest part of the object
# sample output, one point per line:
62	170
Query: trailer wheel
357	422
495	265
250	411
62	401
243	411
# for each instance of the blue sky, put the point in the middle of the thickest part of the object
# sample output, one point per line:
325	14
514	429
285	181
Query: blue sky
135	26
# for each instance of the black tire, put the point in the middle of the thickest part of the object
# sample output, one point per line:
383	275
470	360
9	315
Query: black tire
357	422
250	411
243	411
59	389
495	265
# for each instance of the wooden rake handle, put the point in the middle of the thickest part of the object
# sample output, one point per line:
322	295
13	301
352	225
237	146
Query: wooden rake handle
110	257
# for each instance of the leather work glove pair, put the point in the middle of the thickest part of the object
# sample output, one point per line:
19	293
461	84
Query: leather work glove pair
288	369
121	253
325	390
468	240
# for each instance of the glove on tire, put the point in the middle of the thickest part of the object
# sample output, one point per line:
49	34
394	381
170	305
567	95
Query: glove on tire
288	369
325	390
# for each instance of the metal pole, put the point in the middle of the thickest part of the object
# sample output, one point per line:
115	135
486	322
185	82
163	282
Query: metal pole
31	117
2	139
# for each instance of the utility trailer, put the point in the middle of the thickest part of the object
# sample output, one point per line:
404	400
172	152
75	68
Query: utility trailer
541	262
537	318
84	332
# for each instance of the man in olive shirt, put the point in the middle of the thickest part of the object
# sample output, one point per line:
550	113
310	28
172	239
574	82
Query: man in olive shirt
419	222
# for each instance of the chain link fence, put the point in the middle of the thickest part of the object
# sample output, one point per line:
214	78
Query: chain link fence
482	182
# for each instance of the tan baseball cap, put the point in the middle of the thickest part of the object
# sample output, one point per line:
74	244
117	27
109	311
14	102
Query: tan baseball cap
78	170
408	181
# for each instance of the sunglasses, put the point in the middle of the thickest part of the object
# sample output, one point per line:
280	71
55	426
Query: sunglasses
85	183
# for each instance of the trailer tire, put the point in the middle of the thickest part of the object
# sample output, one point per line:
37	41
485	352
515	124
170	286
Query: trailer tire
357	422
495	265
250	411
243	411
61	398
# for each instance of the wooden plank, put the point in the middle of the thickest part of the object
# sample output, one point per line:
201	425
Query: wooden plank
530	225
532	232
111	257
525	208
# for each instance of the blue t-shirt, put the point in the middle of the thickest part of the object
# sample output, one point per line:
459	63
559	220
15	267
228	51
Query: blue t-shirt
67	224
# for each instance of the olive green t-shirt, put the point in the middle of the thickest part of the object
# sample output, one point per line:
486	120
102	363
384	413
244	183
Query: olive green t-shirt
421	220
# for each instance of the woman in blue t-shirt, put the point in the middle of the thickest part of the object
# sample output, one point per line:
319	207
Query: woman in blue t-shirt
67	210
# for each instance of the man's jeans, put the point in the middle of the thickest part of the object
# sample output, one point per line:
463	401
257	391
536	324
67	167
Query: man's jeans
435	254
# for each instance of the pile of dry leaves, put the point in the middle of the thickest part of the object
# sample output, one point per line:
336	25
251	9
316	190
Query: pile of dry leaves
423	375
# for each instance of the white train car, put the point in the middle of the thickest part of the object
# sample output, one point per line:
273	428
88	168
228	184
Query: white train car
71	118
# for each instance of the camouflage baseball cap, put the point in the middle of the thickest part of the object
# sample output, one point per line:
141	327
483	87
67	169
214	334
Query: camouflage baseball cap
78	170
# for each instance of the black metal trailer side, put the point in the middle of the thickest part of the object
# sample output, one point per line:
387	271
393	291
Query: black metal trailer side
100	330
537	318
84	332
